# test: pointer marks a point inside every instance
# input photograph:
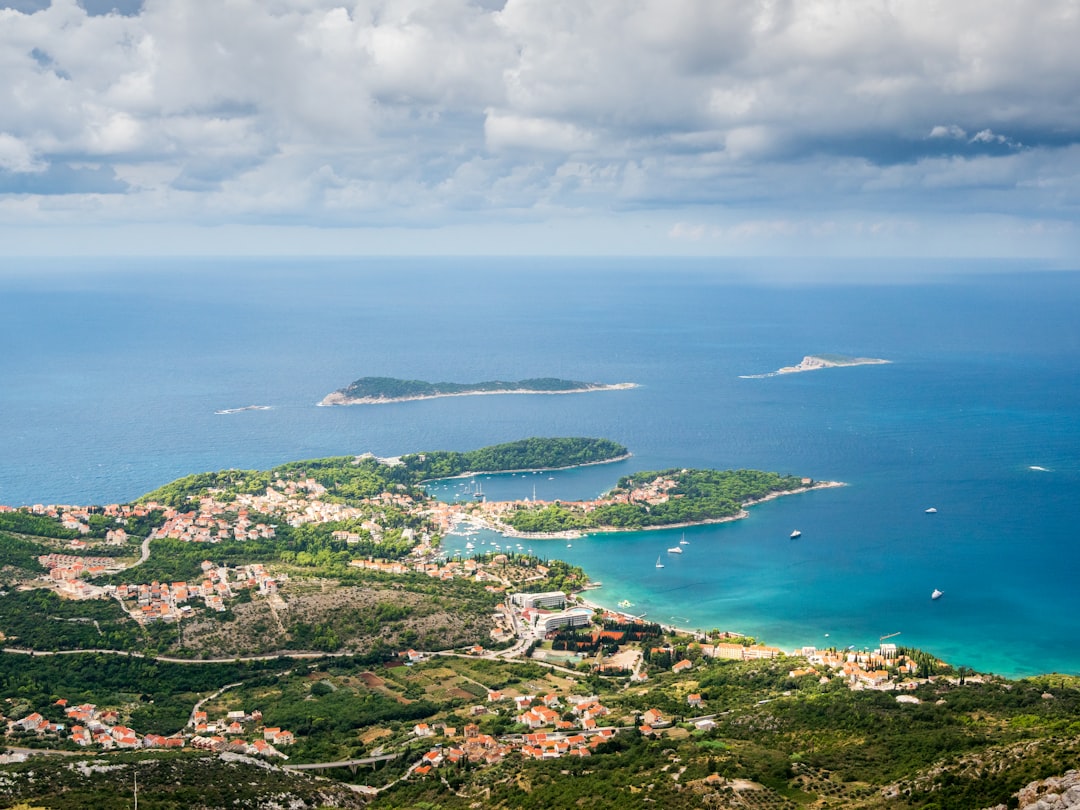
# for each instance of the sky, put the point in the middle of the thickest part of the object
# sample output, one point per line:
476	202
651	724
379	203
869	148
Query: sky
566	127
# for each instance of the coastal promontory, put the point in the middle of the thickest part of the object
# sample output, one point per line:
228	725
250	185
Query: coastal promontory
379	390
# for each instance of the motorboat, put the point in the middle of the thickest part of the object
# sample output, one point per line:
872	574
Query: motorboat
796	534
937	594
675	550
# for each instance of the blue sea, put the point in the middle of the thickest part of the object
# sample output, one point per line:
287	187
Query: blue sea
111	373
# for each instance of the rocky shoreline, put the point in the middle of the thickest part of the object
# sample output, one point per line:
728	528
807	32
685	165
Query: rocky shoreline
813	362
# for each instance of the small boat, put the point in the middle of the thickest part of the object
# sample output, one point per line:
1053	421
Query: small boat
569	545
658	563
675	550
937	594
625	603
469	546
683	541
796	534
931	511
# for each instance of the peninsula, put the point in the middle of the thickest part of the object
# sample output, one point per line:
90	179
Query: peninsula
816	362
380	390
656	499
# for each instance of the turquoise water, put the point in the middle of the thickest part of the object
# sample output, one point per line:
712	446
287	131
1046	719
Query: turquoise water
110	376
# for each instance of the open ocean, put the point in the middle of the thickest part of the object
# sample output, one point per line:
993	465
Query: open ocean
111	373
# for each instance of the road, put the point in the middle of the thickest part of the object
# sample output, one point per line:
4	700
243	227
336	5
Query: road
344	763
169	660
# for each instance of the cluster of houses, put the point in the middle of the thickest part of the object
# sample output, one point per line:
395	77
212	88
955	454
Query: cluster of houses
156	601
77	518
87	725
559	738
211	525
168	601
229	733
860	669
297	502
65	572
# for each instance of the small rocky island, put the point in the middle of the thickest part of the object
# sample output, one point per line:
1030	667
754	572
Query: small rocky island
815	362
379	390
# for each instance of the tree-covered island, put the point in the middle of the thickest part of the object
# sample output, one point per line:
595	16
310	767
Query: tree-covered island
377	390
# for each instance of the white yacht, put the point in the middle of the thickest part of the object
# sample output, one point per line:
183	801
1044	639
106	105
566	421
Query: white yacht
937	594
795	534
931	511
658	563
675	550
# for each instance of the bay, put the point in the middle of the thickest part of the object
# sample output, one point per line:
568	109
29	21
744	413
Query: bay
111	374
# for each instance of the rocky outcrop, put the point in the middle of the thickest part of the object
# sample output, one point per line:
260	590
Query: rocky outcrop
1055	793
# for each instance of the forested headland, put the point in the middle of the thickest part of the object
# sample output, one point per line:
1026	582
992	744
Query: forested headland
661	498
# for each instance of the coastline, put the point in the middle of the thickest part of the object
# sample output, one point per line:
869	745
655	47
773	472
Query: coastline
623	457
338	398
571	534
668	628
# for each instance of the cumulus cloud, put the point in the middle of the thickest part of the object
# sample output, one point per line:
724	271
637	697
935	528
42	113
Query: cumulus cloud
383	112
950	131
16	156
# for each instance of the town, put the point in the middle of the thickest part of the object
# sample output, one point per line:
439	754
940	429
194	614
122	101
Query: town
559	630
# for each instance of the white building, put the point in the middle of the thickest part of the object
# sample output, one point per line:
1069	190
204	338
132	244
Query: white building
550	599
544	623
